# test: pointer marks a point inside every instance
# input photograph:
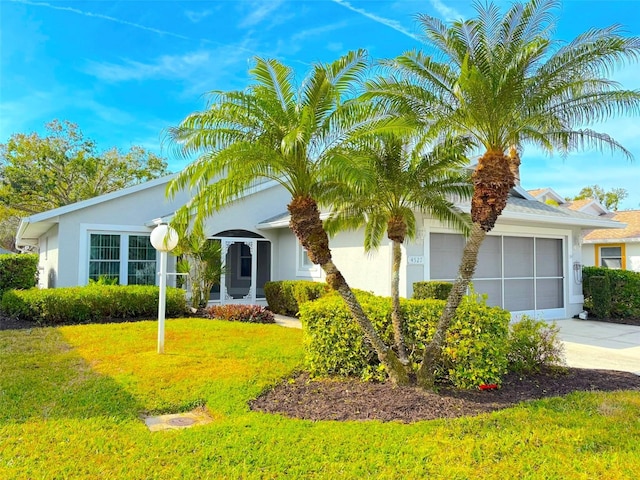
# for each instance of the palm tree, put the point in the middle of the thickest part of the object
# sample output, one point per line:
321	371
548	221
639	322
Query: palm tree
293	136
399	176
503	81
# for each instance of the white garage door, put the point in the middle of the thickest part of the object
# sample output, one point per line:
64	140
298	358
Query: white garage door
520	274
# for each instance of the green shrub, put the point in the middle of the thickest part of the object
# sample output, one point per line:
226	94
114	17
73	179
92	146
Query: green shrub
600	296
285	297
475	350
240	313
18	271
624	287
533	346
89	304
434	289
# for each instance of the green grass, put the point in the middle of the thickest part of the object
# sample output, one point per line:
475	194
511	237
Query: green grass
70	400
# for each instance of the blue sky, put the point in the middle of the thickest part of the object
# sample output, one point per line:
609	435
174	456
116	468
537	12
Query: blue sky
125	70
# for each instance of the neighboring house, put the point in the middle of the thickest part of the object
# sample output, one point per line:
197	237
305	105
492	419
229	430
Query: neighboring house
619	248
585	205
612	248
530	263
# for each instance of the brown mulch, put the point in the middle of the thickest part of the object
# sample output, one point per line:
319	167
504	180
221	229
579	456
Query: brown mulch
351	399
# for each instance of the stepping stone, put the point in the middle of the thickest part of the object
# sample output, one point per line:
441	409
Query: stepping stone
177	421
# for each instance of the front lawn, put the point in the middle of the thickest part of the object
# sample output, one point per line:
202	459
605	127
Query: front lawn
71	397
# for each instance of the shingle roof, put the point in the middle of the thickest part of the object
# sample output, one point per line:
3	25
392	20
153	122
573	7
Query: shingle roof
517	208
577	204
537	191
631	231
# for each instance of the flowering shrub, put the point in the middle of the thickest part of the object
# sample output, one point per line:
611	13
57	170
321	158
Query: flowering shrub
240	313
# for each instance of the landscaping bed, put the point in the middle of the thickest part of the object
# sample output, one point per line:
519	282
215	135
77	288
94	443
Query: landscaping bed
343	399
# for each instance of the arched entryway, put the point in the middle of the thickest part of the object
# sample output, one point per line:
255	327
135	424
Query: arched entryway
247	259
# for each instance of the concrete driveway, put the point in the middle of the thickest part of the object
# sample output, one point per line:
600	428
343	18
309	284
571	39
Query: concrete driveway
601	345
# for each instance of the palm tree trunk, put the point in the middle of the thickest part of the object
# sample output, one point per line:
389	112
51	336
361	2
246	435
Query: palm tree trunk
433	352
307	226
396	315
492	181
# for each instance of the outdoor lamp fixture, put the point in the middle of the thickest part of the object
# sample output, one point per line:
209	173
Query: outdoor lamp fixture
164	239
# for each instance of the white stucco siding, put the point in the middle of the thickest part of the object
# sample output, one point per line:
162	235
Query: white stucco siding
366	271
633	256
245	214
631	249
588	255
131	211
48	259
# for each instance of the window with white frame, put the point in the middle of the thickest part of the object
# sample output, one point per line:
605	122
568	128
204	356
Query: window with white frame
305	267
130	259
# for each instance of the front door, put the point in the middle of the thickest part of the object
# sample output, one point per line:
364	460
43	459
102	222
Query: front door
247	267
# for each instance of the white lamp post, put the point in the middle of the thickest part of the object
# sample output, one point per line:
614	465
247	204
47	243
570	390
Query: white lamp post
164	239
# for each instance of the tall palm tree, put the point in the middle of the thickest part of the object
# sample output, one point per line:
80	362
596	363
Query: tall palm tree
294	136
503	81
399	176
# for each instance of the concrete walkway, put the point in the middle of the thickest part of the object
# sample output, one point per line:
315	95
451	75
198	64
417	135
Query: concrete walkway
588	344
601	345
289	322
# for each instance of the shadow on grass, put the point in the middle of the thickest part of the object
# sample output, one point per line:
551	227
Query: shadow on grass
43	377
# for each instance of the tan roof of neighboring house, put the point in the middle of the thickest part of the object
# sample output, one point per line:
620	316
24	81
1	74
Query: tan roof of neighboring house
537	191
577	204
631	231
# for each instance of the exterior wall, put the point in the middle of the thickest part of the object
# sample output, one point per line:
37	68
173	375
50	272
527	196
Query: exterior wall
588	255
366	271
249	212
288	265
127	213
48	259
631	254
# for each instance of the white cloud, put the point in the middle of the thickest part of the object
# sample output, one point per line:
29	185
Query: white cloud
314	32
376	18
102	17
447	12
196	17
166	66
261	11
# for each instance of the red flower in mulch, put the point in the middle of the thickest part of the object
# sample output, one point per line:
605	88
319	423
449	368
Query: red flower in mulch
490	386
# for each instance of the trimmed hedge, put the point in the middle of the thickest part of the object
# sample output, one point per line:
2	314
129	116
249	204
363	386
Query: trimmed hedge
475	350
240	313
285	297
433	289
72	305
624	287
18	271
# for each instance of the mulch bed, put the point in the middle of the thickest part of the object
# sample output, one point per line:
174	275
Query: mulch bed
351	399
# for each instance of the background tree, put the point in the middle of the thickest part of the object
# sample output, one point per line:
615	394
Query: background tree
609	199
399	176
294	136
503	80
39	173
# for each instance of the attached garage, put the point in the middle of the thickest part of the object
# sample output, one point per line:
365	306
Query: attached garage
524	275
